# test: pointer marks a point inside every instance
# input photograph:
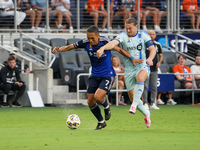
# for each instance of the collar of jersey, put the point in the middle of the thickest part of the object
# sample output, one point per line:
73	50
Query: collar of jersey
135	34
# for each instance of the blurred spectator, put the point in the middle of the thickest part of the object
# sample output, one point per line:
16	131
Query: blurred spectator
64	6
153	73
190	8
40	5
8	6
116	63
142	16
124	9
11	80
196	69
96	9
186	80
18	63
35	16
156	15
170	101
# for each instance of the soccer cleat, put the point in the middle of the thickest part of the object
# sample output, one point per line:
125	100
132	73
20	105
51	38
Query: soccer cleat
171	102
100	126
147	120
160	102
16	104
107	113
153	106
132	110
5	105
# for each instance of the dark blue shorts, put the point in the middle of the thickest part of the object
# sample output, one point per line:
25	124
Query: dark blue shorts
104	83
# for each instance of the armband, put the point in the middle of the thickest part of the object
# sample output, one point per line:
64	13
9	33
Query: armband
131	58
59	49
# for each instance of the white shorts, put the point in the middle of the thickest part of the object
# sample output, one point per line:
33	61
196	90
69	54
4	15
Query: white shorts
130	76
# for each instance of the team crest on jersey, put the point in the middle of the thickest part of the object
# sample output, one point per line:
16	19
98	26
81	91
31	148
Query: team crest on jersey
128	40
139	47
139	40
90	48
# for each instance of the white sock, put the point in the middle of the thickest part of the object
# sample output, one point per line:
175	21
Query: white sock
5	98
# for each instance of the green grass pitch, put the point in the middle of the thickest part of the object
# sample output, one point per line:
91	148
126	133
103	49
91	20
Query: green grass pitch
173	128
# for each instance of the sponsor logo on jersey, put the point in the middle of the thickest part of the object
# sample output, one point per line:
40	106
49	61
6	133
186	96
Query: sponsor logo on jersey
139	47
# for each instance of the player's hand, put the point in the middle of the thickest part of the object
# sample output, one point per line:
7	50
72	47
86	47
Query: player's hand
55	50
134	61
158	65
100	52
149	62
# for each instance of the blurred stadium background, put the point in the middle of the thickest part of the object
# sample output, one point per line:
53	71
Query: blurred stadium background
55	76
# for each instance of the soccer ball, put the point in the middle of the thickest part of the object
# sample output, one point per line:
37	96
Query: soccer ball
73	121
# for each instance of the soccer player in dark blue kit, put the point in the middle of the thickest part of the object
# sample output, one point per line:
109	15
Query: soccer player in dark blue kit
103	74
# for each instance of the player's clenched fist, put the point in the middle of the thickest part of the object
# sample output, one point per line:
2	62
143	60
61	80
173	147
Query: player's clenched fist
55	50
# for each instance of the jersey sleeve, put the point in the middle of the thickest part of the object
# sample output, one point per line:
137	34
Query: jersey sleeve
80	44
147	40
159	48
119	38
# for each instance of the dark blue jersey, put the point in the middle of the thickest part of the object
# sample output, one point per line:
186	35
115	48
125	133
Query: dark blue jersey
101	67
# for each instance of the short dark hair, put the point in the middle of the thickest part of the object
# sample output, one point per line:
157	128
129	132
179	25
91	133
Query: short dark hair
131	20
197	56
93	29
10	58
182	56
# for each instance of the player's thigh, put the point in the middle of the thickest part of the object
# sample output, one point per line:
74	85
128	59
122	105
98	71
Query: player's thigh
93	84
91	101
142	75
99	95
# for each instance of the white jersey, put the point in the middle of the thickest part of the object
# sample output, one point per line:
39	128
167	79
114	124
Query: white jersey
135	45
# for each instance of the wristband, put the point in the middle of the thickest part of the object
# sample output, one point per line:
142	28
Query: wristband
131	58
59	49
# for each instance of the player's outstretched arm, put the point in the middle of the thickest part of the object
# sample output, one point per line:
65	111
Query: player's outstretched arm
152	54
126	54
63	48
108	46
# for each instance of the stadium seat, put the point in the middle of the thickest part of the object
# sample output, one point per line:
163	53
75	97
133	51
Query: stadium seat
72	41
170	58
37	50
55	42
26	47
69	68
84	62
164	68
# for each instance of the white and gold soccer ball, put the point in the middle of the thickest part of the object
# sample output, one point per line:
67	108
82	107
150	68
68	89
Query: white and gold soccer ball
73	121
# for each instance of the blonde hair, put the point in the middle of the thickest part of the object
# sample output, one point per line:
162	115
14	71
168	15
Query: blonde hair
115	56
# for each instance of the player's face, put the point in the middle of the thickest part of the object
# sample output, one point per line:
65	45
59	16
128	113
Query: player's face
131	29
181	60
152	34
11	63
197	60
93	38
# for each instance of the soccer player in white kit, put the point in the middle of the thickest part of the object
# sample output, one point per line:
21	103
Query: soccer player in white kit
135	42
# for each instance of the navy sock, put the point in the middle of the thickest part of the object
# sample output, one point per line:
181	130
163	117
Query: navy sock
96	112
105	103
